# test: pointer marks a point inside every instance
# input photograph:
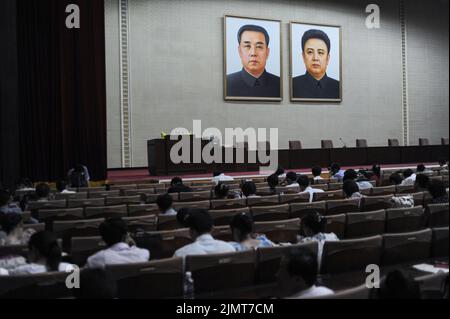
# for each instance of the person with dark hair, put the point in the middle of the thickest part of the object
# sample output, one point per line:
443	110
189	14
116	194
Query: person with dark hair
312	228
443	164
397	285
42	192
6	206
316	172
437	192
280	173
177	186
395	179
409	177
352	175
44	255
336	172
78	176
297	275
242	231
315	83
249	189
115	234
219	176
420	168
96	284
221	191
291	179
200	225
303	182
61	187
421	183
273	182
253	80
376	171
12	231
164	202
351	190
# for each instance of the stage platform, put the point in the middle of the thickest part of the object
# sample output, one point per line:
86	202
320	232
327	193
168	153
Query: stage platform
142	175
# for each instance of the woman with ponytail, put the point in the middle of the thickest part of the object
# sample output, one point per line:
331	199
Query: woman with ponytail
44	256
313	229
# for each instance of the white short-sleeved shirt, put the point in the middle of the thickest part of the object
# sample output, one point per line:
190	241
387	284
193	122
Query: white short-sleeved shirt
204	245
364	185
311	192
32	268
320	238
221	178
409	181
120	253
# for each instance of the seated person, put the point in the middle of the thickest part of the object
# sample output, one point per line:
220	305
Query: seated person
291	179
443	164
316	171
280	173
409	177
6	206
242	231
78	176
61	187
363	183
438	192
12	232
397	285
312	228
395	179
219	176
421	183
177	186
44	256
164	202
222	191
42	192
200	225
351	189
297	275
114	233
248	189
96	283
303	181
421	169
273	182
336	172
376	174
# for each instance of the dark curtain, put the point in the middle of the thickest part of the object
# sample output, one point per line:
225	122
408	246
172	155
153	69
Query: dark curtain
62	104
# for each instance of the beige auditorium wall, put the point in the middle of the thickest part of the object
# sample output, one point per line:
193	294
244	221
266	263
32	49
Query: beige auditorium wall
176	73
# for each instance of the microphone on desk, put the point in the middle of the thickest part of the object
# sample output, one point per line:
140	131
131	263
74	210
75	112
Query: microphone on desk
343	143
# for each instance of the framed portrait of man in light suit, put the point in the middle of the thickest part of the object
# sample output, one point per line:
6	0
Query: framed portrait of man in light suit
315	54
252	59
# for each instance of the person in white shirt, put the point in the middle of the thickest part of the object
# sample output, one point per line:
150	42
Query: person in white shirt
248	189
164	202
114	233
313	230
409	177
291	179
241	226
44	256
297	275
61	187
273	182
200	224
336	172
352	175
303	182
316	171
220	177
351	190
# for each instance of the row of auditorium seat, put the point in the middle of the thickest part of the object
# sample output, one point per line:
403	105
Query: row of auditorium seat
238	274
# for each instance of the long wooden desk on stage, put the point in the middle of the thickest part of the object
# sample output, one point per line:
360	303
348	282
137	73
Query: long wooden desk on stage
159	163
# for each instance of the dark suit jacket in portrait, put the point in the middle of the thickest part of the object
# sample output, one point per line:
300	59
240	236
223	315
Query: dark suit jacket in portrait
306	86
243	84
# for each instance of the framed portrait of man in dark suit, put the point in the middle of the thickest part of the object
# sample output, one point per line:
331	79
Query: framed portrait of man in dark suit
315	54
252	59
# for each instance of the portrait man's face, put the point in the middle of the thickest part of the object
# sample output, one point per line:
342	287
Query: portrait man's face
253	52
316	57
